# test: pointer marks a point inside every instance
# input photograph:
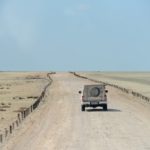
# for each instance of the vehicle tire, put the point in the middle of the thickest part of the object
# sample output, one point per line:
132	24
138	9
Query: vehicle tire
105	107
82	108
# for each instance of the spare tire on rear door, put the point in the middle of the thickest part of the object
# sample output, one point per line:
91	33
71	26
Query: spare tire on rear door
95	92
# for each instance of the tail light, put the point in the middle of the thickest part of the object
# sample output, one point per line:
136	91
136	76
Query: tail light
82	98
106	97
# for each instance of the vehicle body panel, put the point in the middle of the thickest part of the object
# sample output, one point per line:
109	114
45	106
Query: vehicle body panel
94	96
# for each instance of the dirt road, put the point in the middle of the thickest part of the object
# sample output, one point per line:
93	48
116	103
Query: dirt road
59	124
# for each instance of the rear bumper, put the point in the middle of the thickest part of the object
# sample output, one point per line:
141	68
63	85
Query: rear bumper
91	104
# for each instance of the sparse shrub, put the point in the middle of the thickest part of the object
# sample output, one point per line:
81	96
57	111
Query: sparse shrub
6	106
2	103
33	97
20	97
17	97
1	109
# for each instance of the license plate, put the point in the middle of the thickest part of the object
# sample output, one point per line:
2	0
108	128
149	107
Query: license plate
94	103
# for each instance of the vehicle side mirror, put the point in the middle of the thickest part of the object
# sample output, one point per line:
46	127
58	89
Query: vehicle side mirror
106	91
80	92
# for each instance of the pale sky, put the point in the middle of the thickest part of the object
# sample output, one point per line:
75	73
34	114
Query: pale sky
64	35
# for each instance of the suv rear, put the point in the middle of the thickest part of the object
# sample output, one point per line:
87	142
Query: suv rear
94	96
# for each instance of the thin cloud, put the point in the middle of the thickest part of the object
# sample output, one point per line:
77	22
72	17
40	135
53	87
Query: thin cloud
74	11
83	7
70	12
22	30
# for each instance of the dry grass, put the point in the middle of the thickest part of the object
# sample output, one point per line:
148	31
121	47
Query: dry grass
18	90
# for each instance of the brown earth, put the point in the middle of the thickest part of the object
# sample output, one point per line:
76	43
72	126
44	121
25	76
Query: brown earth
59	124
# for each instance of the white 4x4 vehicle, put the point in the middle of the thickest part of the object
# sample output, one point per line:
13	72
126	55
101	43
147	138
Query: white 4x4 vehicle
94	96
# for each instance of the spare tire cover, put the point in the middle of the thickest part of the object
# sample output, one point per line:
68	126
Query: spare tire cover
94	92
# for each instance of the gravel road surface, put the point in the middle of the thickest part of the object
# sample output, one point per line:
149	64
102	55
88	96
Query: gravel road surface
59	124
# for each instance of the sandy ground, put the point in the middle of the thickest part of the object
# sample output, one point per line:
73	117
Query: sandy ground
134	81
18	91
59	124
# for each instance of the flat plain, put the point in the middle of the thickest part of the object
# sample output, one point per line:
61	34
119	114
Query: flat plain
59	123
18	91
136	81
